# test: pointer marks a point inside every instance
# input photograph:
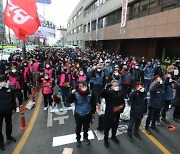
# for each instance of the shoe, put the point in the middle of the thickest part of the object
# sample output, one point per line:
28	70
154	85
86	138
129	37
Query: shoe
165	120
45	109
176	120
11	139
106	144
87	142
155	128
2	147
17	109
158	123
137	135
148	131
115	140
78	144
130	138
50	108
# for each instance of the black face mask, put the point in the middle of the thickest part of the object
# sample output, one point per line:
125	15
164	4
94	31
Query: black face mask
65	70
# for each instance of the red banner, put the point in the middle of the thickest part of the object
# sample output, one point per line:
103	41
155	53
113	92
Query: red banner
21	16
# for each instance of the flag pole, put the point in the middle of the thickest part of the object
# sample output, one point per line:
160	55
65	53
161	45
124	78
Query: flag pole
24	49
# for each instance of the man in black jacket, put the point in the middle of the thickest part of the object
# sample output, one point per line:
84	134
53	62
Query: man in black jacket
138	108
155	103
8	106
114	106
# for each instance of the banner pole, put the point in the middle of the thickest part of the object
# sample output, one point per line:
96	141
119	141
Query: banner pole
24	50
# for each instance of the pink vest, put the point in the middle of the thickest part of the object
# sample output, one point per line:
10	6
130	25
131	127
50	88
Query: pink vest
26	72
49	71
47	90
62	78
35	66
81	78
13	82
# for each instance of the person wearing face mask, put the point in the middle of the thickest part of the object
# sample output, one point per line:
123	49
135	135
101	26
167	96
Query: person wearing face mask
136	75
107	69
168	96
7	108
65	84
114	106
16	85
155	103
158	70
85	108
81	76
148	75
47	84
138	108
49	70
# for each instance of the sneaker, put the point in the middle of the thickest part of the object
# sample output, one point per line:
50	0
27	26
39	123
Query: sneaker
87	142
17	109
78	144
176	120
137	135
148	131
106	144
50	108
11	139
154	128
115	140
165	120
130	138
45	109
2	147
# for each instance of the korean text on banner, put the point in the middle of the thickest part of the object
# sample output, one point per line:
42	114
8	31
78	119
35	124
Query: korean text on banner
124	13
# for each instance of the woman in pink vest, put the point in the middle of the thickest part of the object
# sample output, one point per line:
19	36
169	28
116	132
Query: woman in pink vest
15	85
81	76
47	90
65	84
49	70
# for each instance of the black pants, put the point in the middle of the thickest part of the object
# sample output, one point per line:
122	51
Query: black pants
82	121
134	122
153	115
65	93
47	100
27	90
8	119
18	94
165	108
114	127
176	113
126	89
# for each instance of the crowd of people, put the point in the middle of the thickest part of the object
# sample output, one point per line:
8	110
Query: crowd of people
85	77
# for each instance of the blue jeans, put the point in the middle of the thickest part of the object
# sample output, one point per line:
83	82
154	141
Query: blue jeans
147	83
153	115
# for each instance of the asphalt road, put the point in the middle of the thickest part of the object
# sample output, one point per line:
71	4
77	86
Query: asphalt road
47	126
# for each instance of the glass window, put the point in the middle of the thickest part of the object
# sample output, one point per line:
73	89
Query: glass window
134	11
117	17
154	6
100	25
143	8
109	20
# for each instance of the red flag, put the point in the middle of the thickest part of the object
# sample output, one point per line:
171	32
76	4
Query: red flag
21	16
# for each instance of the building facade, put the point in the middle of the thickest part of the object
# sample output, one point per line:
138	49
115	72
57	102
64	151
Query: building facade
62	37
152	28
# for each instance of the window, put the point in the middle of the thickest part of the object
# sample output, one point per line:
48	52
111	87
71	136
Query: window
154	6
116	17
79	12
109	20
144	8
133	11
168	4
100	24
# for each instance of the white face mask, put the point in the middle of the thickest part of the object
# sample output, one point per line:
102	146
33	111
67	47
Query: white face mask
84	88
136	67
99	70
3	84
47	66
170	80
81	73
116	88
161	82
14	71
142	90
116	73
46	77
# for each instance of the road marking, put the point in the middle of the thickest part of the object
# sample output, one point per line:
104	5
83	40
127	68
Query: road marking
61	119
26	134
156	142
49	119
67	139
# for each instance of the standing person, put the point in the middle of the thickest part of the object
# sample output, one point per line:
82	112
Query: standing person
49	70
114	106
85	108
138	108
47	91
155	103
148	75
168	96
65	84
7	107
176	113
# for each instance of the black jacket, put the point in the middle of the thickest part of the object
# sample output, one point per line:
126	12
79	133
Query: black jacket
7	100
177	94
138	103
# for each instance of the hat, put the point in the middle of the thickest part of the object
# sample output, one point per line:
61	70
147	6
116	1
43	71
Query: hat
3	78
